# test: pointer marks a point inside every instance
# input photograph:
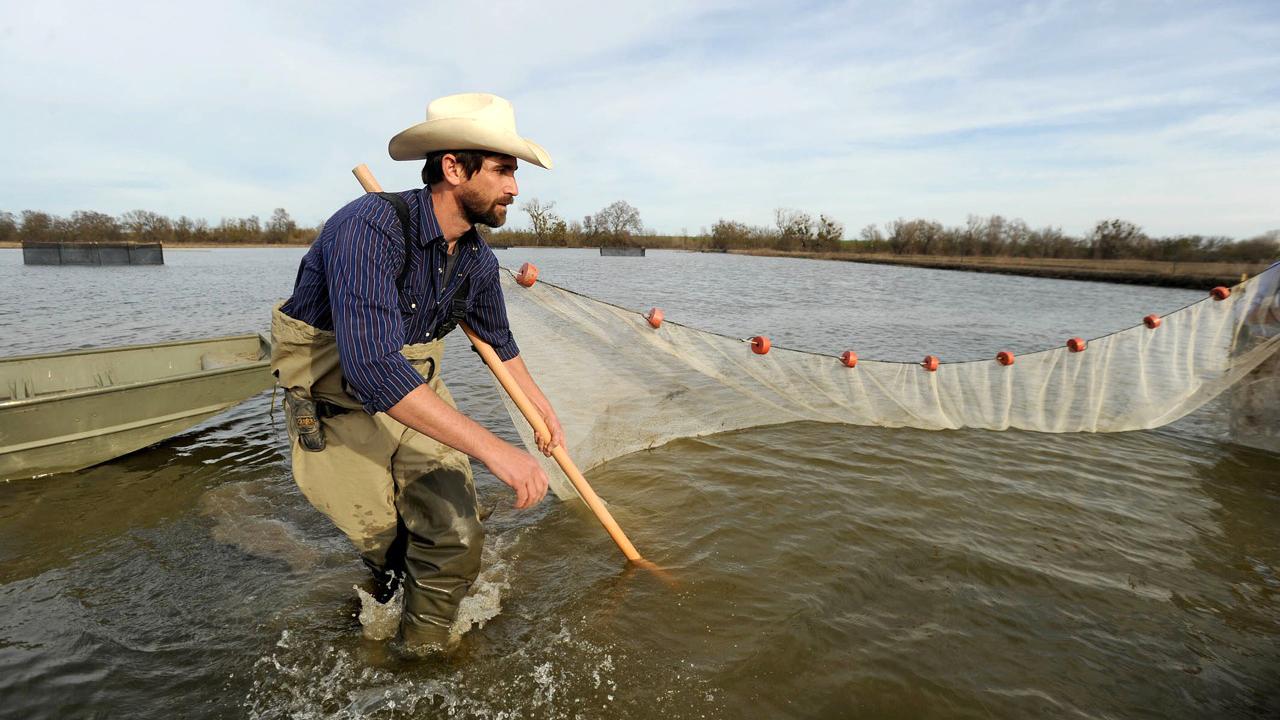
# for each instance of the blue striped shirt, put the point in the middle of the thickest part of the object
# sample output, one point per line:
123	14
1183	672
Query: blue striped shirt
347	283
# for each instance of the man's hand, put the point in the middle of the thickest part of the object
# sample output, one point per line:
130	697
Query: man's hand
547	444
425	412
518	469
518	371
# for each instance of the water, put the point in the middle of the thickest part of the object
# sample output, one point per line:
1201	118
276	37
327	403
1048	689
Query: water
822	571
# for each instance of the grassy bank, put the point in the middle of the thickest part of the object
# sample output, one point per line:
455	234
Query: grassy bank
1194	275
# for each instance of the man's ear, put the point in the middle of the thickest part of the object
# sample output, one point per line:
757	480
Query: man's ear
454	173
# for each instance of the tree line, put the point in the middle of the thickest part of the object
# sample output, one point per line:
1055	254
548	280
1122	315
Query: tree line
620	224
799	231
1112	239
144	226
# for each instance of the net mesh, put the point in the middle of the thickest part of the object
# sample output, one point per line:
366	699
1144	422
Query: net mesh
620	386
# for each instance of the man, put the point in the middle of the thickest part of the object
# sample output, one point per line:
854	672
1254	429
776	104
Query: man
378	444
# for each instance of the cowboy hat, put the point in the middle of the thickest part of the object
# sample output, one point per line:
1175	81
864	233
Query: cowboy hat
467	121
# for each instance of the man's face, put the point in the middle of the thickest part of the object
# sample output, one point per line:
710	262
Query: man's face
486	194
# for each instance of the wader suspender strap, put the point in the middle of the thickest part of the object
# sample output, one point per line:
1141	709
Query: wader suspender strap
402	213
457	308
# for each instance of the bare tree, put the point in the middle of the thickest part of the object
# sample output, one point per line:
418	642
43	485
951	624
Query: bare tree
1116	239
547	225
36	226
727	234
8	227
616	223
280	228
621	219
146	226
914	236
795	229
829	234
1045	242
90	226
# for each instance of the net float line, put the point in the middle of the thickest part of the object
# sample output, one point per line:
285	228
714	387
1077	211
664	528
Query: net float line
648	387
655	316
528	275
761	344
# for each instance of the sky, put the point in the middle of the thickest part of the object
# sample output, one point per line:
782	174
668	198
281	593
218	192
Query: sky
1166	114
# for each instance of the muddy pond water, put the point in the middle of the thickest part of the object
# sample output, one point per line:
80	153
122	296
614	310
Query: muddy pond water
823	571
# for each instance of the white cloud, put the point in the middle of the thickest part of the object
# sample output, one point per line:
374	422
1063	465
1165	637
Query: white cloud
1061	113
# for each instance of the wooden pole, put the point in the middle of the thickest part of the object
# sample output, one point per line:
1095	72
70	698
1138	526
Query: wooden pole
370	184
366	178
561	456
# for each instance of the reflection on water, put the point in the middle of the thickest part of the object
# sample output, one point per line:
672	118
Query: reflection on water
822	571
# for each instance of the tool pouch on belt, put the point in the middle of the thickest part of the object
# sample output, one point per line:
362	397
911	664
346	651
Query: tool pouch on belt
302	414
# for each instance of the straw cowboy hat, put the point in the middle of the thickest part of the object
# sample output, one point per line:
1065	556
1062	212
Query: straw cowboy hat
467	121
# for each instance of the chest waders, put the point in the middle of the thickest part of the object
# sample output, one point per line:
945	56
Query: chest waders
406	501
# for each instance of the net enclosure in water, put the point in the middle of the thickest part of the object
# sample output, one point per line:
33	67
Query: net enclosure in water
620	385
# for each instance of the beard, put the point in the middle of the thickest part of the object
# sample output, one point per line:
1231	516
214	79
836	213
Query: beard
478	210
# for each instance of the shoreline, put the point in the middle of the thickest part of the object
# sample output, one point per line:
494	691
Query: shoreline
8	245
1160	273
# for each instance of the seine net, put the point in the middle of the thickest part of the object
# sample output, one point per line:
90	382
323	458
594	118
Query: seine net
620	385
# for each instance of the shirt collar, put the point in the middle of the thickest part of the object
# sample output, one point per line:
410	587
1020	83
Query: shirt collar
429	226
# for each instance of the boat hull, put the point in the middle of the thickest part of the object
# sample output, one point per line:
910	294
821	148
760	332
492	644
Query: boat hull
60	430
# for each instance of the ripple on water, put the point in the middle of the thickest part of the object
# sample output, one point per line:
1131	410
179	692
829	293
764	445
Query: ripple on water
822	571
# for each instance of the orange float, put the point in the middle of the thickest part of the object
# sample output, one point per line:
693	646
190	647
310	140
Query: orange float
849	358
930	363
1220	293
654	317
1076	344
528	275
760	345
1151	321
1004	357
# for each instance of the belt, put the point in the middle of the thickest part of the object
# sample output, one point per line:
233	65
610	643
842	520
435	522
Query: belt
327	409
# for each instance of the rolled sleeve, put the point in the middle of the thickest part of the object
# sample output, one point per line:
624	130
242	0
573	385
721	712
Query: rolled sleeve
487	316
363	263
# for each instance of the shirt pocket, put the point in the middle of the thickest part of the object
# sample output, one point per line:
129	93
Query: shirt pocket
411	302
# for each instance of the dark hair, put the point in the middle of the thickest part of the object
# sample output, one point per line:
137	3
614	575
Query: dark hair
471	160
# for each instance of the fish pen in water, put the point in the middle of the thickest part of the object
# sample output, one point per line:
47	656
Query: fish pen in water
621	251
92	253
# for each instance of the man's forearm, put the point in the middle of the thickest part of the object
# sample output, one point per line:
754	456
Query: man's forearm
425	412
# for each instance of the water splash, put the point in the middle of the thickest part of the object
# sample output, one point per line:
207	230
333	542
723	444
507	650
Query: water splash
557	674
379	621
562	670
484	602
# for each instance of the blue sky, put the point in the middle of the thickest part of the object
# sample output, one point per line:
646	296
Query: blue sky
1060	113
